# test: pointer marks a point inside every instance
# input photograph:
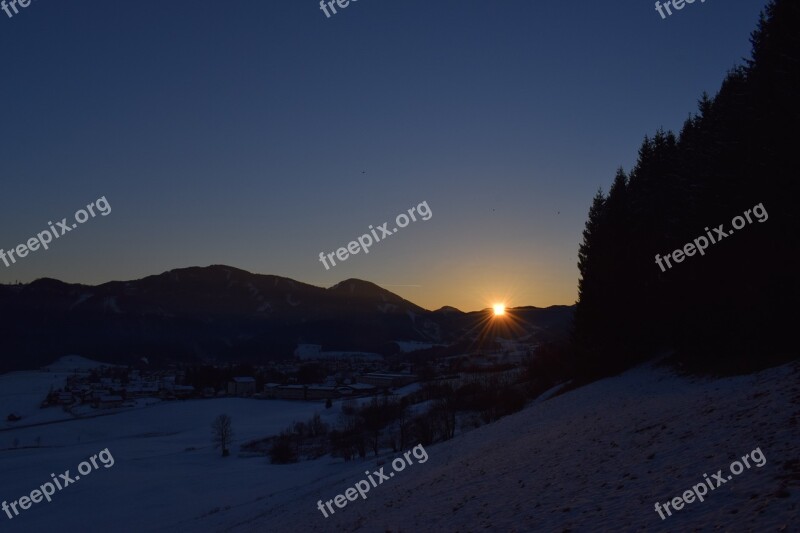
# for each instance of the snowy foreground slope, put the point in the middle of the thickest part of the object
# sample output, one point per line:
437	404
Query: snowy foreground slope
594	459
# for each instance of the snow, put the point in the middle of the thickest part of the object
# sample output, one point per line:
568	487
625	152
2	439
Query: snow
385	308
23	392
111	303
363	356
71	363
581	462
412	346
593	459
164	462
82	298
549	393
252	289
306	351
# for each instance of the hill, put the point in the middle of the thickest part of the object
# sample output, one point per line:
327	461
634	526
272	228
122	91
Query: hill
222	314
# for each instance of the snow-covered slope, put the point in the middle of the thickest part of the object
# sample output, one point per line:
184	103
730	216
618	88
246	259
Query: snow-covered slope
594	459
22	393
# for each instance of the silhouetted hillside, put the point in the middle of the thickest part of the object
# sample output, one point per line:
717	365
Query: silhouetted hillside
215	314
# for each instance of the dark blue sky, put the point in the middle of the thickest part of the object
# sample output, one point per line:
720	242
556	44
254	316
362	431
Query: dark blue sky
258	134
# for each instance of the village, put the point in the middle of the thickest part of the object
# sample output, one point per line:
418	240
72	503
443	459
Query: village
310	376
107	392
110	387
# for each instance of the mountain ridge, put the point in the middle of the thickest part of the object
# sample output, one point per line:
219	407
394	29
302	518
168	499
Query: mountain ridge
217	314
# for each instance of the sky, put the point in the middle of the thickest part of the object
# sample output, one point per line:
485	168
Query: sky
258	134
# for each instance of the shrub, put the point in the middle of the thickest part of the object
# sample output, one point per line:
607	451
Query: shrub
282	452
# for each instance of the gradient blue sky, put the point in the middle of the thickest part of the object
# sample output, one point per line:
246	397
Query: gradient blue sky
238	132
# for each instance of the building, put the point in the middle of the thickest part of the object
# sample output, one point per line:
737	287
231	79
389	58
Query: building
288	392
321	392
141	390
300	392
386	381
308	351
242	386
65	398
168	383
110	402
94	396
357	389
183	391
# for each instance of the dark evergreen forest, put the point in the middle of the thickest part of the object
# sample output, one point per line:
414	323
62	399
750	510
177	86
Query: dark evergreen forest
734	308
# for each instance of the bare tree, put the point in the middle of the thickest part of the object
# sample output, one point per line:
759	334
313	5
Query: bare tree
405	423
446	411
222	433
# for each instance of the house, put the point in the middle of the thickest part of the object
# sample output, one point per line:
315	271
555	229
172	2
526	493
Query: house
65	398
356	389
94	396
308	351
271	390
110	402
168	383
289	392
300	392
242	386
385	381
321	392
183	391
142	389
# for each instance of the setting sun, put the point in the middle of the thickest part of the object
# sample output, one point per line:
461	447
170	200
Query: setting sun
499	309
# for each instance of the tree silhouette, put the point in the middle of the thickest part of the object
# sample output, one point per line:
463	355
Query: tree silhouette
222	433
731	308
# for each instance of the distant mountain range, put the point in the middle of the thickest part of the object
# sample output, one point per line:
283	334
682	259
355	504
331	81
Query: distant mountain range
220	313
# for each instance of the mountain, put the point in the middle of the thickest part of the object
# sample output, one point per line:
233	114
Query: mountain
216	313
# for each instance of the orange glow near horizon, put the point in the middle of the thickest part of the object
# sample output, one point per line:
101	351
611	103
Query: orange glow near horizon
498	321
